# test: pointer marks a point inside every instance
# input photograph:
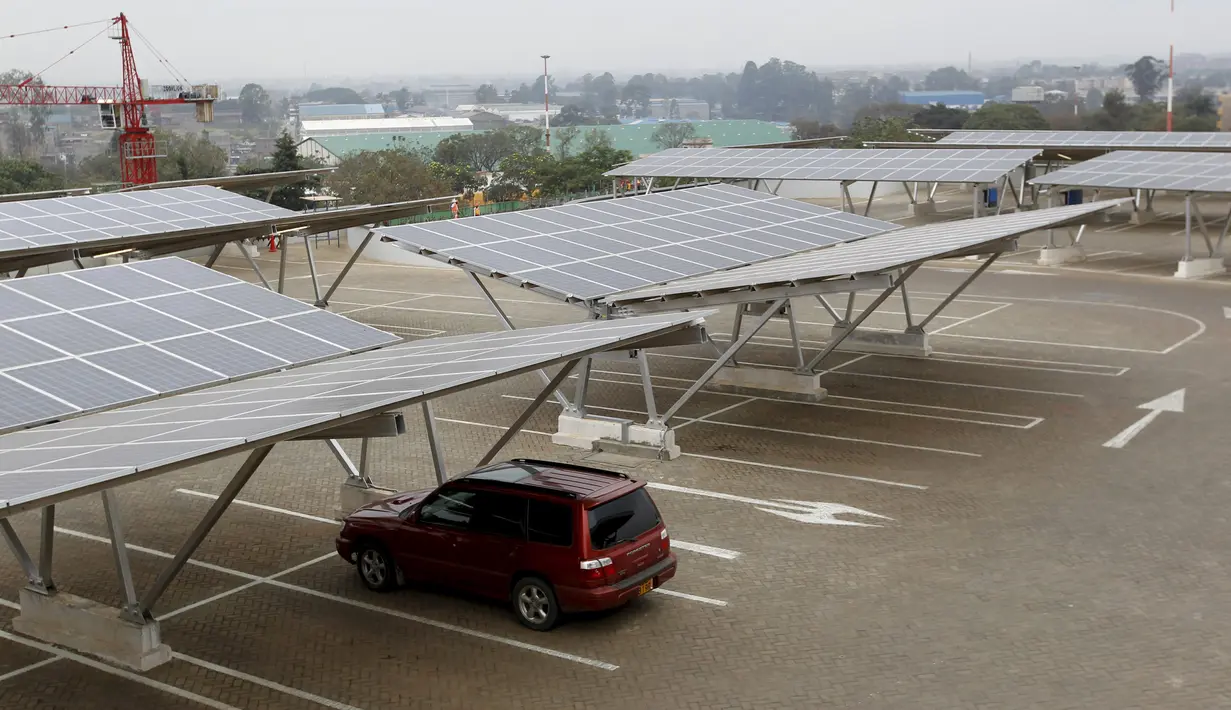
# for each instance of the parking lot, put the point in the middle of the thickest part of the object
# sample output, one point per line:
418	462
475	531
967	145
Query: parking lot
941	533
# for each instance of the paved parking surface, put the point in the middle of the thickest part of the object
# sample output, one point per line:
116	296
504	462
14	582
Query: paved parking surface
943	533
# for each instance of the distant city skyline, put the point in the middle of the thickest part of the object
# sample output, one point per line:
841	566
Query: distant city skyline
292	43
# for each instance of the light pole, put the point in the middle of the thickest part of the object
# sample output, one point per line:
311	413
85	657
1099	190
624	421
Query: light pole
1170	64
546	104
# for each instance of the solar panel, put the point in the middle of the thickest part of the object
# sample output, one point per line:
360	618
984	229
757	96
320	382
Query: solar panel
107	446
894	165
588	250
78	341
1146	170
66	221
875	254
1146	140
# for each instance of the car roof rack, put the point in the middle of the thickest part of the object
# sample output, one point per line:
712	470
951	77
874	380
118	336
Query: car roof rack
575	467
520	487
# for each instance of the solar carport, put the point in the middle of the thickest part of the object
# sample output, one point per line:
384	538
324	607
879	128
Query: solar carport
1196	175
611	257
771	168
135	427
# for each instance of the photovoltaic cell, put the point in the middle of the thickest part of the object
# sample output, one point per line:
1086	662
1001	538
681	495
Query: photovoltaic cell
58	459
1108	140
99	338
894	165
647	232
1148	170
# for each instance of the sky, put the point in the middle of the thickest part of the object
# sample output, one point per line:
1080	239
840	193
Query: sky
267	40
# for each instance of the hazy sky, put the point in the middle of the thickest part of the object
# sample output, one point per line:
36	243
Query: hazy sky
221	40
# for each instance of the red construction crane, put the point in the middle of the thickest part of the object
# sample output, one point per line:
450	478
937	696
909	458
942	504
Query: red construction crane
138	153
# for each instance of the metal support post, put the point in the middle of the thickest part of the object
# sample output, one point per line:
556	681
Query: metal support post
957	292
777	187
213	255
999	194
647	385
756	184
1205	231
508	325
722	360
905	303
19	551
347	464
46	548
835	341
850	308
1226	227
77	261
1051	233
281	264
649	185
676	183
1188	227
1150	199
316	285
828	308
867	208
433	443
975	189
119	550
337	281
253	264
197	536
932	191
910	195
848	203
582	389
799	352
363	459
529	411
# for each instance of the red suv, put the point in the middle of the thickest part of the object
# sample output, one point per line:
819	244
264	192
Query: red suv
550	538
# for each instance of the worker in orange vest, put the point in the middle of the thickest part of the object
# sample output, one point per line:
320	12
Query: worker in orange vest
453	209
476	210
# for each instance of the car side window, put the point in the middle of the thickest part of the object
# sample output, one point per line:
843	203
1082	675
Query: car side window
450	509
550	523
498	514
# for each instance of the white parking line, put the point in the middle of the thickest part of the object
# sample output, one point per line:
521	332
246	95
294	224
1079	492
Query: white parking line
690	597
112	670
33	666
964	321
287	690
719	552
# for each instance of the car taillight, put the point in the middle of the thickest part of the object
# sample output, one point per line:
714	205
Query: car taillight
662	535
594	570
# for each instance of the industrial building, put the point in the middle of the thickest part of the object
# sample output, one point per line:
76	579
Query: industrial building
326	112
970	100
314	129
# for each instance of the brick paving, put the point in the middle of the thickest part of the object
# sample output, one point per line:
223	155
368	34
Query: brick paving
1040	570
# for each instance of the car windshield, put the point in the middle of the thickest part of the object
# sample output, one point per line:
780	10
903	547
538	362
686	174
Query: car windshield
622	519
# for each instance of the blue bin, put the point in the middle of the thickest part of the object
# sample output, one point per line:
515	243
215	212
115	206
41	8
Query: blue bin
1072	197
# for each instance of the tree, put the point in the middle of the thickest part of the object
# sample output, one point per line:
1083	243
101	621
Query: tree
484	150
570	115
25	126
527	171
401	97
103	168
941	116
378	177
606	94
189	156
875	130
635	99
950	79
26	176
1146	75
1007	117
673	134
565	137
596	138
486	94
254	104
334	95
285	159
808	129
459	178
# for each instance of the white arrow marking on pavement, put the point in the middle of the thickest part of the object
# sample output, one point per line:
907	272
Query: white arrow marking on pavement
1173	402
802	511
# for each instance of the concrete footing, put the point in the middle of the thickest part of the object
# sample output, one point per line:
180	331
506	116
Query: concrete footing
763	381
874	341
1200	268
92	628
1055	256
237	249
611	434
352	498
923	209
1140	217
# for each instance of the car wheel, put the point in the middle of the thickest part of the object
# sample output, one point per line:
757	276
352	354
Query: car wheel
376	568
534	603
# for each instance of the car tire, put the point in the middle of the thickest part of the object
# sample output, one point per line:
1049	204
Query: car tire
376	568
534	604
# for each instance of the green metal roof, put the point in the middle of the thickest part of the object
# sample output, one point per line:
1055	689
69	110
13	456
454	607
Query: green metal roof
638	138
342	146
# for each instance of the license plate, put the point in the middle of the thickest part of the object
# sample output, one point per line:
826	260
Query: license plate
645	588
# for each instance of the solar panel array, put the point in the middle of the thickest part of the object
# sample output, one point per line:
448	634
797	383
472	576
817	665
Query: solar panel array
1088	139
894	165
1148	170
876	254
86	340
103	447
66	221
588	250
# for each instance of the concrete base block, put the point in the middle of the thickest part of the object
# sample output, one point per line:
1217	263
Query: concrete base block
92	628
599	433
1140	217
762	381
923	209
1055	256
1200	268
352	498
234	249
872	341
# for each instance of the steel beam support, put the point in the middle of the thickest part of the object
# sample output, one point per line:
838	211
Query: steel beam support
722	360
77	261
46	549
213	255
790	319
932	191
911	195
1205	231
957	292
828	308
1188	227
119	550
316	284
777	187
249	467
433	442
583	387
281	263
363	459
508	325
348	465
835	341
867	208
19	551
253	264
999	194
906	304
848	203
676	183
337	281
1226	228
647	383
975	190
527	413
850	307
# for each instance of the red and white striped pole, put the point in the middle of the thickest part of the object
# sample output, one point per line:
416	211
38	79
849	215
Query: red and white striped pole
546	103
1171	68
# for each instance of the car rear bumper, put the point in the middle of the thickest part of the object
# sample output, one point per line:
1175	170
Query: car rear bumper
574	599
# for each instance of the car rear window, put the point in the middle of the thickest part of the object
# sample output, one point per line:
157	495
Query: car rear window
551	523
622	519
